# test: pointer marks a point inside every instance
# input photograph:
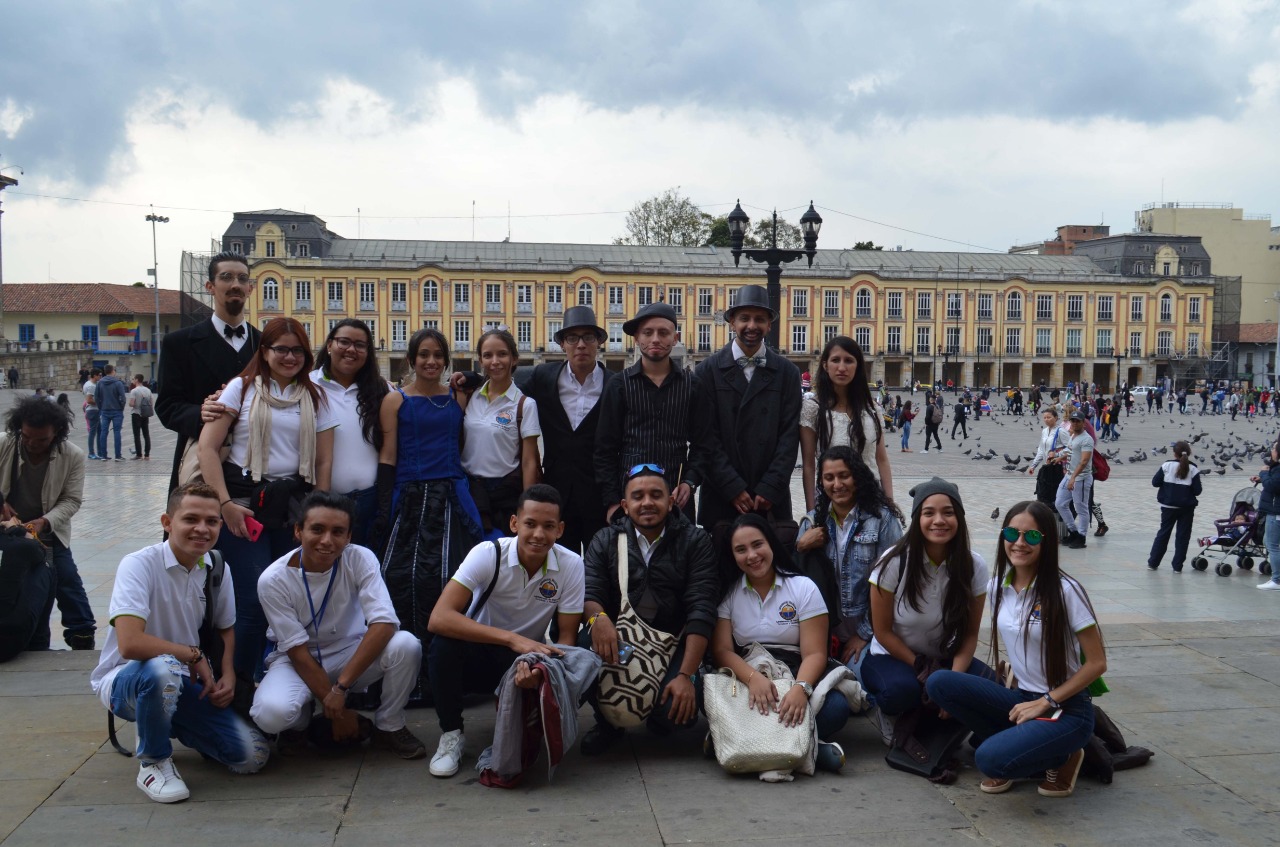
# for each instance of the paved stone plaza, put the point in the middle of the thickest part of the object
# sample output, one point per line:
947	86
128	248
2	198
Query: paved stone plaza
1194	672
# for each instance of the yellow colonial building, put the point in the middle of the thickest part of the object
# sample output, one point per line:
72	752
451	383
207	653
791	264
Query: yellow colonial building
972	318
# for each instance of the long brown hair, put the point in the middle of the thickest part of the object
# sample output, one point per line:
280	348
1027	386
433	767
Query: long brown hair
1056	641
859	396
276	329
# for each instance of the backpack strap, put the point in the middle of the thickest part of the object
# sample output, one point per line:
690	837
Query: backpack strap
497	566
519	438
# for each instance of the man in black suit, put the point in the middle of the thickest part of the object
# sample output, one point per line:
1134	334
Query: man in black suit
752	395
568	397
199	360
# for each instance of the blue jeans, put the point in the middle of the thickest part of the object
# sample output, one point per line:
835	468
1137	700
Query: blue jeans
833	715
1004	750
906	434
893	684
108	421
1271	539
91	418
366	500
73	603
247	560
165	704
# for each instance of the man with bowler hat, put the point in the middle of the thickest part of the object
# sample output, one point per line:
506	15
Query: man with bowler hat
568	396
753	401
652	414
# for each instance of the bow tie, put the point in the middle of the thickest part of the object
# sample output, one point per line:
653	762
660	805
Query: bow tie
233	331
750	361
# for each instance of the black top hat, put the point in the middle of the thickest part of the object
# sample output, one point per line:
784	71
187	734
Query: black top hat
753	296
653	310
580	316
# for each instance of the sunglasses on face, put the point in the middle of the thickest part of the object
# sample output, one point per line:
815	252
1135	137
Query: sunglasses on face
1031	536
647	467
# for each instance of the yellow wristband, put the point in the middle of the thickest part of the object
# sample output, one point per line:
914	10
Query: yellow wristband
591	620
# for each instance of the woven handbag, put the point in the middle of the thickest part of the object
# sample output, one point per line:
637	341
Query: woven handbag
628	693
745	740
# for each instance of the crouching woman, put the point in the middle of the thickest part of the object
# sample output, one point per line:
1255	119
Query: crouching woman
1046	623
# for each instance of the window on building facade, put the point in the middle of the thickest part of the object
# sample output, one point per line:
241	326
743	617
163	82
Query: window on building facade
616	343
368	295
829	331
88	332
1013	340
1195	269
800	302
1044	307
1135	307
704	301
552	328
333	322
1104	347
237	248
1166	308
493	297
1013	306
924	304
986	307
1135	344
861	334
955	301
984	340
399	334
555	298
704	338
336	289
1044	341
924	336
953	340
675	298
524	299
893	306
800	338
304	250
1164	343
1167	268
462	296
372	323
617	299
302	294
431	323
733	298
862	304
586	294
430	294
644	295
399	297
893	339
831	303
1193	310
524	336
1106	307
271	249
270	293
462	335
1075	342
1075	307
1193	344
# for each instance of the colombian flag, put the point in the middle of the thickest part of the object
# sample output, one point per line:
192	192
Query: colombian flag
122	328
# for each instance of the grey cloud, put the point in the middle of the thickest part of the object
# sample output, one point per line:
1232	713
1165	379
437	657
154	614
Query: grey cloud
81	66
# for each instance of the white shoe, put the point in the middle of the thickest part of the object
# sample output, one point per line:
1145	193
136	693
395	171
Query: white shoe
449	754
162	783
1270	585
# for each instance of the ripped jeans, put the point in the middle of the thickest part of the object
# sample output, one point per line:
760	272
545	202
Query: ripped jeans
166	704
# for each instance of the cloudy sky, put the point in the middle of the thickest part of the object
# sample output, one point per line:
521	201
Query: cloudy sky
911	123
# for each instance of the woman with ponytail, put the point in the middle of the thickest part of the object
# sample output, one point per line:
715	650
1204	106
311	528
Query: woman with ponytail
1179	482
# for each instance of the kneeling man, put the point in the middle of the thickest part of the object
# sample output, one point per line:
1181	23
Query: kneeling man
672	584
330	616
152	669
496	608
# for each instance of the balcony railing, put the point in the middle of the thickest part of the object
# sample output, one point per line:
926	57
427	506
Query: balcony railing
524	346
399	306
615	347
462	308
1013	316
985	316
1075	351
368	305
430	305
302	305
1106	352
1013	349
271	305
1043	350
555	308
1074	317
492	308
399	346
893	350
894	314
924	315
336	306
524	308
984	349
800	312
461	345
616	308
1164	352
704	348
1135	352
1105	317
922	350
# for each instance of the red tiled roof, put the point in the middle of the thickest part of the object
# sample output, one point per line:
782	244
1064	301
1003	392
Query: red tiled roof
97	297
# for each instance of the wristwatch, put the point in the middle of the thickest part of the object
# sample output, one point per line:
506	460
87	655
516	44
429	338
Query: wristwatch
806	688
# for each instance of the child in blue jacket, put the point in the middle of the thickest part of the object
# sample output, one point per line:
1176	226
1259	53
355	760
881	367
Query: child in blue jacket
1179	482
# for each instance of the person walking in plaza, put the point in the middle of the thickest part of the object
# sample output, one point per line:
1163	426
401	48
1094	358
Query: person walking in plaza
92	418
1042	720
12	377
961	414
927	596
1269	507
652	412
196	362
153	672
752	401
142	404
333	631
841	411
568	397
1179	482
933	417
42	485
905	417
109	396
1077	482
427	521
281	433
347	373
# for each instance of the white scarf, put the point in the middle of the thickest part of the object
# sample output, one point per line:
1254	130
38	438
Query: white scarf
257	456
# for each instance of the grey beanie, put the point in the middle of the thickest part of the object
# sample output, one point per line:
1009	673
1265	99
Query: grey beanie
937	485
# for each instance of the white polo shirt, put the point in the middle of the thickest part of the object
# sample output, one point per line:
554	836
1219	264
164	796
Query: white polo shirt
775	619
520	603
359	598
492	444
151	585
922	631
355	464
578	398
1020	612
286	424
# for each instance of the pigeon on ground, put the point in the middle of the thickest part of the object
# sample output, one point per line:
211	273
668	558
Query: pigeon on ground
995	513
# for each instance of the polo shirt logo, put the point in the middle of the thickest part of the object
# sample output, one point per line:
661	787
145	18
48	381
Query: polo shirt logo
502	419
1035	614
548	590
787	612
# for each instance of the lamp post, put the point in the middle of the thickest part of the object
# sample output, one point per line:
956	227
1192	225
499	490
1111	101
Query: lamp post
5	182
773	256
155	280
1117	370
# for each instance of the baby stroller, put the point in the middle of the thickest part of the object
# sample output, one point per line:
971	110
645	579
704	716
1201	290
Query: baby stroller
1238	536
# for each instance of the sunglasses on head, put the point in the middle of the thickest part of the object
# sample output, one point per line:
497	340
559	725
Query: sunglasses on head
1031	536
647	467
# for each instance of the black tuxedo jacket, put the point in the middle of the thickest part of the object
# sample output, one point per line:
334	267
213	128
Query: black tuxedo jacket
568	454
194	363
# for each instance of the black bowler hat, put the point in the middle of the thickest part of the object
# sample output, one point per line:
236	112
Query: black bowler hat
751	296
578	317
653	310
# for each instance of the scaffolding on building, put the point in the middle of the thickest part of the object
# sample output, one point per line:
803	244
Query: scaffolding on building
198	304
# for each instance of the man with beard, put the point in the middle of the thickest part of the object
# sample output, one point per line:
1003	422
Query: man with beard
673	585
753	399
197	361
567	395
650	413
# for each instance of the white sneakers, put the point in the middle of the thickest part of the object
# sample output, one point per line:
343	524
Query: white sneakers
162	783
449	754
1270	585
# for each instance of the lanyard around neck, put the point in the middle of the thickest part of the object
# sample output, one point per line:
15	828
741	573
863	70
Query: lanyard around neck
317	617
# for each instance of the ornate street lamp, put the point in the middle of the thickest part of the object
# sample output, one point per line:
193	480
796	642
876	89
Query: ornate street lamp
773	256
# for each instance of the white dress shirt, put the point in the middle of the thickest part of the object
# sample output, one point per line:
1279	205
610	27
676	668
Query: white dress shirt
236	342
579	398
749	370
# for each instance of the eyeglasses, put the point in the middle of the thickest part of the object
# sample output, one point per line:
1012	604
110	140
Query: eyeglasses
572	339
348	344
227	276
647	467
282	351
1031	536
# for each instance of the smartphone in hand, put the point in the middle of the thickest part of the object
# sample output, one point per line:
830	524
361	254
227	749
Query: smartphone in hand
1052	716
252	528
625	651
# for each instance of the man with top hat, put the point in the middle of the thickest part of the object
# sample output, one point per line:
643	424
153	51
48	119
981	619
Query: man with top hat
568	396
652	412
753	402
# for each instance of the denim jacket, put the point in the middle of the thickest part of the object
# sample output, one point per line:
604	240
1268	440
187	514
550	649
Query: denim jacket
872	536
